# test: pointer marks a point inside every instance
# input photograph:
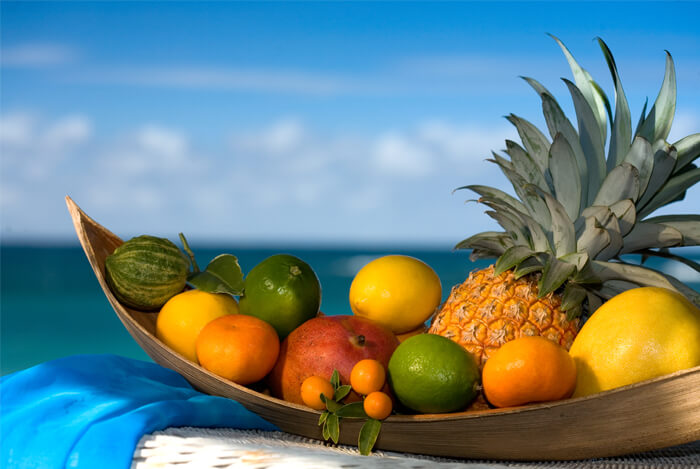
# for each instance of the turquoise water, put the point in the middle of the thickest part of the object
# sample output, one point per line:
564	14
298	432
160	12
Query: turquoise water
52	306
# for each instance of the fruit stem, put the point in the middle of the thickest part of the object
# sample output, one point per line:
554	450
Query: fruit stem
360	340
186	247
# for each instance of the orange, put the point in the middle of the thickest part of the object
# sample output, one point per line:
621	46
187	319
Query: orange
377	405
367	376
528	369
184	315
282	290
237	347
399	292
311	390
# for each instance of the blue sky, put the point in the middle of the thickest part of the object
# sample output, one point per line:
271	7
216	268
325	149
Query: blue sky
298	122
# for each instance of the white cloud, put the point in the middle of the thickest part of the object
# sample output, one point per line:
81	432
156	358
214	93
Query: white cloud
395	154
66	132
37	55
35	148
284	181
16	129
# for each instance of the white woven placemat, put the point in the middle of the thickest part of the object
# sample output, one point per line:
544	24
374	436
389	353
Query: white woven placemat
229	448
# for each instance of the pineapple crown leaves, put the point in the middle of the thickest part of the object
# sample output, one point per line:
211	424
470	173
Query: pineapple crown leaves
579	209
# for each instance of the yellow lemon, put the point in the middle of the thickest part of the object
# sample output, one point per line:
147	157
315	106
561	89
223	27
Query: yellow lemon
184	315
637	335
399	292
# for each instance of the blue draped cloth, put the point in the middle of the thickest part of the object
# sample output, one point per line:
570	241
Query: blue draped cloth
88	411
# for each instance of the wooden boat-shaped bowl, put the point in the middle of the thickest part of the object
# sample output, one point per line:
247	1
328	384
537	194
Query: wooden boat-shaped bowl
657	413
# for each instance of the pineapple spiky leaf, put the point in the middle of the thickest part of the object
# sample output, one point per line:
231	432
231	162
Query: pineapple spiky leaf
657	124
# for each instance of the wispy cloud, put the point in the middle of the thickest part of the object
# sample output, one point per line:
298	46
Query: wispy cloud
37	55
282	181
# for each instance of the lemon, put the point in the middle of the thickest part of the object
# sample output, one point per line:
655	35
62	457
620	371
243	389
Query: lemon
637	335
399	292
283	291
432	374
184	315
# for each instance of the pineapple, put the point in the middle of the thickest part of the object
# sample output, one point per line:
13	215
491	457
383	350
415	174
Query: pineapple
576	213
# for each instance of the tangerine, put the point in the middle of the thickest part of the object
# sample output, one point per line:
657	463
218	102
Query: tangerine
238	347
367	376
527	370
311	390
183	316
378	405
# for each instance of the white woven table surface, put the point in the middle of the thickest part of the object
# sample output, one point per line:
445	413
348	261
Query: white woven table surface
229	448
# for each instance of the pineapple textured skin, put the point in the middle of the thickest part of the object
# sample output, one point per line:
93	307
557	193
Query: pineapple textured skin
488	310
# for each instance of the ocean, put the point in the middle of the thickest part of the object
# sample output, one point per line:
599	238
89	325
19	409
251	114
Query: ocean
52	306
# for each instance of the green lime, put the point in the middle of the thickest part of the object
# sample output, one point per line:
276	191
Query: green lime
431	374
283	291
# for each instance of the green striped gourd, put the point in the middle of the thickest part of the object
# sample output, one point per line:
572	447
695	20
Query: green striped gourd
146	271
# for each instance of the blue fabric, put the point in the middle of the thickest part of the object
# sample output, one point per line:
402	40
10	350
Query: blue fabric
90	411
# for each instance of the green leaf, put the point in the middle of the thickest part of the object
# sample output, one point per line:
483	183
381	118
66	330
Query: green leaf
640	122
492	241
512	257
526	166
190	254
621	134
555	273
651	235
626	215
675	187
593	239
528	266
591	141
565	175
657	124
352	410
621	183
688	225
534	141
688	149
223	275
562	229
341	392
331	405
536	207
640	156
579	259
584	82
538	87
664	162
573	296
368	436
333	424
631	273
498	195
559	123
612	227
512	226
335	379
324	416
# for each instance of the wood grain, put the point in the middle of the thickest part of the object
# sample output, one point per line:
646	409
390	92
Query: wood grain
661	412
